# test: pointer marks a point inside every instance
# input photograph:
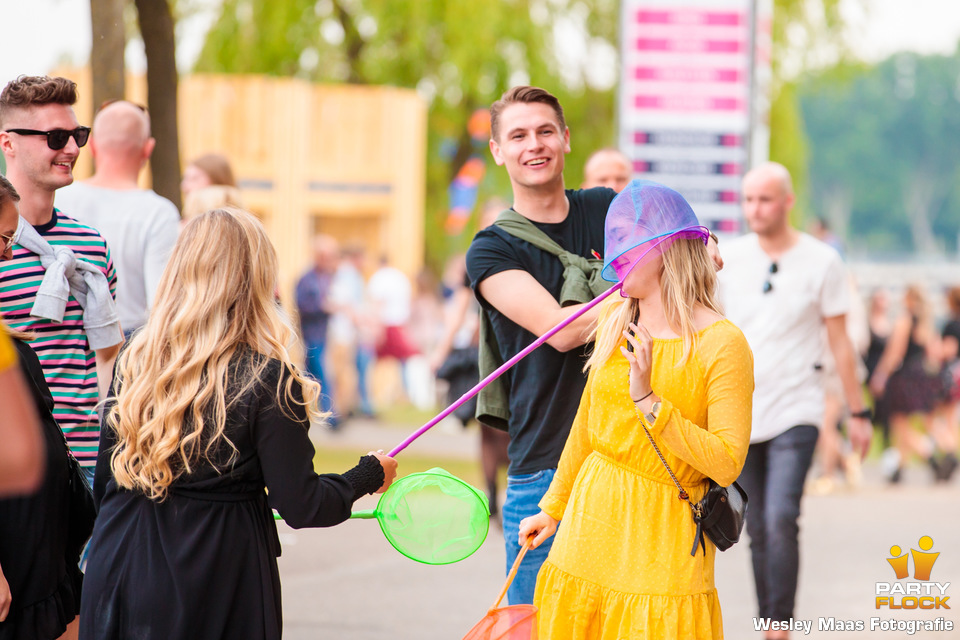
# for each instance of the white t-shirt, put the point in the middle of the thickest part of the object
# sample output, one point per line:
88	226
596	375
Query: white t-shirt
784	326
391	289
140	228
347	290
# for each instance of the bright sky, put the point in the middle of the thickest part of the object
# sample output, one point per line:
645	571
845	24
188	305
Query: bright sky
925	26
40	34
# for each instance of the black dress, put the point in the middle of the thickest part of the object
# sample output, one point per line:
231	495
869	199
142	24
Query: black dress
44	583
202	563
913	387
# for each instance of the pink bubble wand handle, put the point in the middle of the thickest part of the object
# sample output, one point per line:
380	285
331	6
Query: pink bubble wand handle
501	369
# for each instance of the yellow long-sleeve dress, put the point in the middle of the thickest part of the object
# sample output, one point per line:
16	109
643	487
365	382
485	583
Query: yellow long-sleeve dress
620	567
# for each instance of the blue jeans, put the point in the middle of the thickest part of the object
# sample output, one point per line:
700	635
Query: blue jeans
315	365
364	357
88	473
773	478
523	495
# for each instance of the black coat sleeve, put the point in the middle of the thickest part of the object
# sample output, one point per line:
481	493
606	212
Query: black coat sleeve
301	496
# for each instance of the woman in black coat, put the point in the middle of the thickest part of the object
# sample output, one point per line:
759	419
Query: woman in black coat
207	412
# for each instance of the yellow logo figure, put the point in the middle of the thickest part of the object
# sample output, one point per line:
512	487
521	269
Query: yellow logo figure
899	562
922	562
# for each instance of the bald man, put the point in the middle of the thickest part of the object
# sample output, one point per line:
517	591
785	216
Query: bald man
140	226
607	168
787	291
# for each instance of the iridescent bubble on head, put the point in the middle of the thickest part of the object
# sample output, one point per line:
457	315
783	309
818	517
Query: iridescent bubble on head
642	222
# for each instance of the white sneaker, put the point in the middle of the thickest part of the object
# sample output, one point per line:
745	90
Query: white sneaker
890	464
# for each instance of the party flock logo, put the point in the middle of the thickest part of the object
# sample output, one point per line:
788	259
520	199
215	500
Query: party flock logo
921	592
912	595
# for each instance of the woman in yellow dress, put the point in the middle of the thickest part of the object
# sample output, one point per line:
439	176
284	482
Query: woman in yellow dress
621	565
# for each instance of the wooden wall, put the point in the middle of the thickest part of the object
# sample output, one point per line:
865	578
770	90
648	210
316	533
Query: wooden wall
345	160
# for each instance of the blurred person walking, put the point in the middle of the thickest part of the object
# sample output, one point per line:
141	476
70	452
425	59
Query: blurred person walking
668	375
391	297
878	320
425	327
908	375
207	412
140	226
314	309
351	334
788	292
73	318
832	448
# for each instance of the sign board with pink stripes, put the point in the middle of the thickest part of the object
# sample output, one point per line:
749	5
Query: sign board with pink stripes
690	113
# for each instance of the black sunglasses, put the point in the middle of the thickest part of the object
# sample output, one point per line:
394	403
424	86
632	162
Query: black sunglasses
57	138
768	285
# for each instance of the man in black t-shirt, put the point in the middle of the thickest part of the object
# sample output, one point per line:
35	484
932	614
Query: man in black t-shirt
518	286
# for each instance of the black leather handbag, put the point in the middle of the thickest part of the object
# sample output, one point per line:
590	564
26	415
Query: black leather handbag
719	514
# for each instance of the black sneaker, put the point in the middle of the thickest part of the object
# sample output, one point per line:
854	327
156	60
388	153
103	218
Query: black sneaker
946	467
896	476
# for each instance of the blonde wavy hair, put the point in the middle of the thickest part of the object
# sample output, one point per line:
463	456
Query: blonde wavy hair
215	298
687	278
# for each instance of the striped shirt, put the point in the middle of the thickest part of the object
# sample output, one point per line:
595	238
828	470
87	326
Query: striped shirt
69	365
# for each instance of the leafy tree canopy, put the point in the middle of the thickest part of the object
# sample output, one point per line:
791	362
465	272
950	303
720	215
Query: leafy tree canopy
883	158
462	55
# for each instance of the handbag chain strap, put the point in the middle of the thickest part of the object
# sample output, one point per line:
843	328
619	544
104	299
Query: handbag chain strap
683	495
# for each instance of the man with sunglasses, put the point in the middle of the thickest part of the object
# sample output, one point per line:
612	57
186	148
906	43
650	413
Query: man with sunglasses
140	226
41	139
786	290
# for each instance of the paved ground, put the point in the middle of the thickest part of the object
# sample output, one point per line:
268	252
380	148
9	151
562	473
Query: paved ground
348	583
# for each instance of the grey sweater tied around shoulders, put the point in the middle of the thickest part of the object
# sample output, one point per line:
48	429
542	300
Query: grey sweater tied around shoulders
67	274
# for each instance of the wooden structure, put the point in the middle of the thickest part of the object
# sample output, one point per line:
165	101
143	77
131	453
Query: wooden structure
345	160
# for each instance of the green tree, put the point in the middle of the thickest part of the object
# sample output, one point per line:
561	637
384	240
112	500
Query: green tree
805	34
882	151
459	55
463	55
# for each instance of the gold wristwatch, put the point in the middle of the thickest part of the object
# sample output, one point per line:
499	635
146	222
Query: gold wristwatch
654	412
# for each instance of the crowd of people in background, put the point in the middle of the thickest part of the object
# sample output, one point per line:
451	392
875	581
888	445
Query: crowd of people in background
188	293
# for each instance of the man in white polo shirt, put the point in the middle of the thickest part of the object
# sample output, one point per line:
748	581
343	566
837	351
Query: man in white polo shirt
782	287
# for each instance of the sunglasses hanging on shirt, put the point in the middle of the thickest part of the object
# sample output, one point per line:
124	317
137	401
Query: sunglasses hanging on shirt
768	285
